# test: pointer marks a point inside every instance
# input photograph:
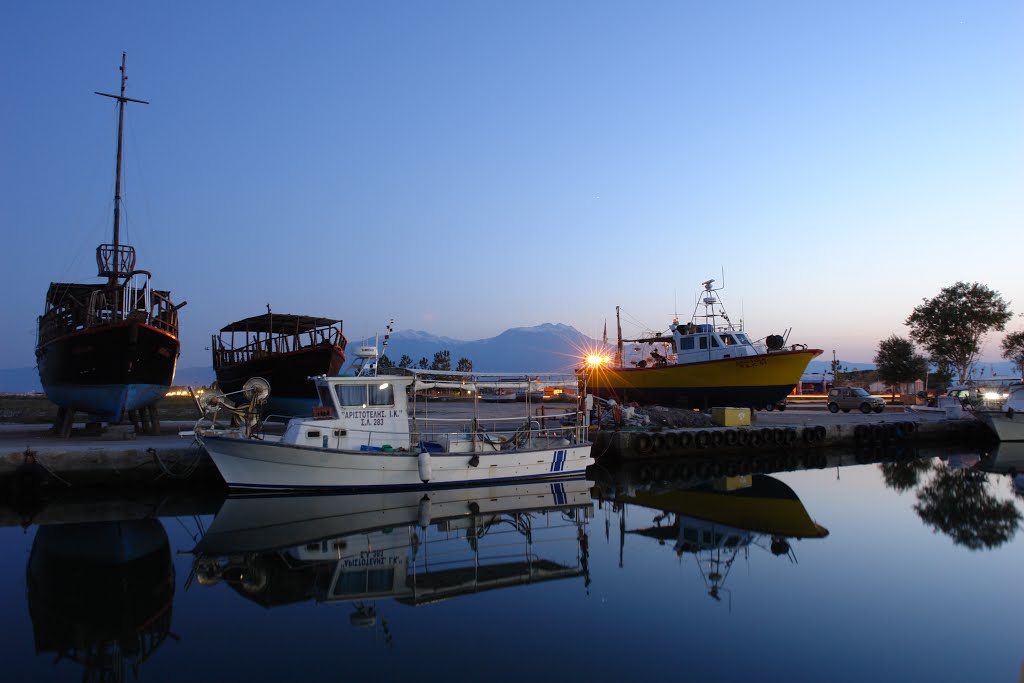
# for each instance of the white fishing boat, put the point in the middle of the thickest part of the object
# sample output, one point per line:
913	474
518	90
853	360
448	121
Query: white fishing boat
384	431
1007	422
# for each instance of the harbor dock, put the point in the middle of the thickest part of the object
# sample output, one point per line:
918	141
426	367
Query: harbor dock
31	458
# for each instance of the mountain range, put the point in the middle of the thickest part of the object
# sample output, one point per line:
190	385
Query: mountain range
549	347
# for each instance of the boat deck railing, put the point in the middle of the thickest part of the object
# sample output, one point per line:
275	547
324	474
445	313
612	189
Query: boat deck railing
224	355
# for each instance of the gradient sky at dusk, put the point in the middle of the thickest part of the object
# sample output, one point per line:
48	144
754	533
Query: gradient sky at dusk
466	167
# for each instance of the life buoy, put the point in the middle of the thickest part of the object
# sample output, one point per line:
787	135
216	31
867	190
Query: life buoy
642	443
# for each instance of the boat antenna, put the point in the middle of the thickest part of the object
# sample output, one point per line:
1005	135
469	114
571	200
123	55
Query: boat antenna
121	99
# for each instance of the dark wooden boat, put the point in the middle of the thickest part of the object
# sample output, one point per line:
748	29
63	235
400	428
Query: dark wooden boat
109	349
284	349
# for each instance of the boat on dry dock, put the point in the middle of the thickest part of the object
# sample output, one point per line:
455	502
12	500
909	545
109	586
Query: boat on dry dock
377	431
709	361
284	349
108	349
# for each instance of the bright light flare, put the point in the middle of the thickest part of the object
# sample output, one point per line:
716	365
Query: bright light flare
595	360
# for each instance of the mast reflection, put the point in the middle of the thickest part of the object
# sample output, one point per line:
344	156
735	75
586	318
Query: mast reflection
718	521
100	594
413	547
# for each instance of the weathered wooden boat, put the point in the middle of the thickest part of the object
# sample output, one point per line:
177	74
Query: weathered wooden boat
707	362
375	431
284	349
109	349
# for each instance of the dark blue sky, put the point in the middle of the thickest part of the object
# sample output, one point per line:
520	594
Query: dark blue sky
466	167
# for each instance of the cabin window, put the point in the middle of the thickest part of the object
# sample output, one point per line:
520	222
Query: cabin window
370	581
686	344
366	395
382	394
703	342
714	342
728	340
351	394
742	339
325	395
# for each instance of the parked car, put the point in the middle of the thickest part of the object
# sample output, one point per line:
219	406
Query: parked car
848	398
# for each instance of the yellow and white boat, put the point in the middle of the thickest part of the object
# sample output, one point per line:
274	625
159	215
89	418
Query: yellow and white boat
706	362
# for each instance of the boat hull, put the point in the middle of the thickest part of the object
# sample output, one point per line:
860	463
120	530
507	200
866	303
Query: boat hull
292	393
1005	427
755	381
109	370
261	465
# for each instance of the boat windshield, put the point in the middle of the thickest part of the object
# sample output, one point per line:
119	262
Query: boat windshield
363	395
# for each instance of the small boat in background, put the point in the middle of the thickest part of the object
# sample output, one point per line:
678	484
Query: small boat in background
109	349
284	349
707	362
1007	422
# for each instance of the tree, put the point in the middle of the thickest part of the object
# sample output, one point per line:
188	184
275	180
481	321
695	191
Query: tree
1013	349
442	361
385	363
839	373
465	365
957	503
943	375
424	363
898	362
951	326
404	361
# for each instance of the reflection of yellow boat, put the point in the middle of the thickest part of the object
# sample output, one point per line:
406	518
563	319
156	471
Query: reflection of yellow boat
701	364
766	506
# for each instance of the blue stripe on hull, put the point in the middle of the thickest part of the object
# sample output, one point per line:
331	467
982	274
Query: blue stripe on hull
406	487
106	402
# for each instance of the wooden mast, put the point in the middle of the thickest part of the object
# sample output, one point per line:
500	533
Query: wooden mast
118	267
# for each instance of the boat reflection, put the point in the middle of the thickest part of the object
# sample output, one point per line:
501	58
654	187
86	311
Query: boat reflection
100	594
415	547
719	521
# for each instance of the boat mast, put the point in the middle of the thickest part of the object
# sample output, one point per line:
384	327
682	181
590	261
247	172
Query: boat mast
114	270
618	346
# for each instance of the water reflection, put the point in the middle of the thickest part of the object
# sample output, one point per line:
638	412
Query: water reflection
412	547
716	522
100	594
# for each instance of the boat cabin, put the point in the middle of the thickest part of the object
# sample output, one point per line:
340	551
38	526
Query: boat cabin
368	413
695	343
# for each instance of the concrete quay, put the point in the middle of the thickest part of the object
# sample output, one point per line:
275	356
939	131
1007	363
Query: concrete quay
31	457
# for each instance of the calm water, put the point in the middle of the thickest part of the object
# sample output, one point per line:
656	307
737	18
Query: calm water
900	570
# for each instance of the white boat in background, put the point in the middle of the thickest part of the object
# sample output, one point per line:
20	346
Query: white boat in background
1007	423
375	431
